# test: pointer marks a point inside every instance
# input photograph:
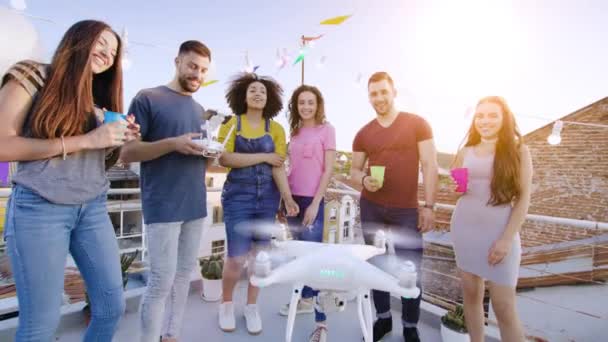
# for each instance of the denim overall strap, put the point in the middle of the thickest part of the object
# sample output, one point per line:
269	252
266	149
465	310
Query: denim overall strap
255	174
238	124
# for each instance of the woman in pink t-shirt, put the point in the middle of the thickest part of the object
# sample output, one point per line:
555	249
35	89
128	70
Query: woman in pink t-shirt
312	151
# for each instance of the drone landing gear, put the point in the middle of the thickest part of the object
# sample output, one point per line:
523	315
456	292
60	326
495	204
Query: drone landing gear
296	294
364	311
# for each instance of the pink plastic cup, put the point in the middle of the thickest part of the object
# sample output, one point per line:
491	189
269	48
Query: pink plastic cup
460	176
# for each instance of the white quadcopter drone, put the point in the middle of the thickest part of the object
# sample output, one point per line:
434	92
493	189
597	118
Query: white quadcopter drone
334	270
213	148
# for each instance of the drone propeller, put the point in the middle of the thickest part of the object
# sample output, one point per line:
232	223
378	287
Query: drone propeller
261	230
398	262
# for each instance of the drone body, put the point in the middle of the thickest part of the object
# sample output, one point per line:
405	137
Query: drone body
334	268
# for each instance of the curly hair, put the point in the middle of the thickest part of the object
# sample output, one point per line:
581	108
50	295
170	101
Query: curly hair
294	115
236	94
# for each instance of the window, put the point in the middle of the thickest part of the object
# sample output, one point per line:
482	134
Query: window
347	208
218	215
217	247
209	182
346	230
332	236
333	214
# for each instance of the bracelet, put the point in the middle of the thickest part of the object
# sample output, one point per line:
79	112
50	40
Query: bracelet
433	207
363	180
64	155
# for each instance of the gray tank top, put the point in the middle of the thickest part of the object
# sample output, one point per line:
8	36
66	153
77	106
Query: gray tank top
76	180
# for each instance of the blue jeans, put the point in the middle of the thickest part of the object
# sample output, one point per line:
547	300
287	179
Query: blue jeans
39	234
314	233
403	222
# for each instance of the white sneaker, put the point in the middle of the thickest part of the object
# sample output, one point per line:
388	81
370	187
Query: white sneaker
320	334
304	307
226	317
253	319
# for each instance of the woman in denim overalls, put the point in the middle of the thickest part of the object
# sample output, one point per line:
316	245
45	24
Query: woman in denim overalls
251	193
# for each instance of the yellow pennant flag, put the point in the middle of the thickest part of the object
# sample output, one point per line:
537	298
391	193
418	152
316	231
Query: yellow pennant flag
209	83
336	20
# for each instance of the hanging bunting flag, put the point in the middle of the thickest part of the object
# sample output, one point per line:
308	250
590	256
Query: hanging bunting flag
301	55
310	39
208	83
124	38
322	62
359	78
468	112
303	52
249	67
336	20
126	61
299	58
282	58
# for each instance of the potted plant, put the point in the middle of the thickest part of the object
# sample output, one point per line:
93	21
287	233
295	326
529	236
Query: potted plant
211	270
453	328
125	262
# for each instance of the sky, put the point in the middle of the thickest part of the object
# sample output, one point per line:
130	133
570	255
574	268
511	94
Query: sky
548	58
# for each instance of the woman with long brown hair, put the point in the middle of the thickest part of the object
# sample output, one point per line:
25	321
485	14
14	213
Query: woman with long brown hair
312	152
53	126
487	219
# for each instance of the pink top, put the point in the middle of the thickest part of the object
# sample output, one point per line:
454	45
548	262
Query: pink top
307	158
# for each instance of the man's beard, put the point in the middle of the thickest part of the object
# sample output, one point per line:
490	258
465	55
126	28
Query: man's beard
185	84
386	112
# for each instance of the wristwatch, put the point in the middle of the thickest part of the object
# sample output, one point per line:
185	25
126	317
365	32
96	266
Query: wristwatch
433	206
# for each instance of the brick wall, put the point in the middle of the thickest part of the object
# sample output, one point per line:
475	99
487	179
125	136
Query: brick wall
536	233
571	179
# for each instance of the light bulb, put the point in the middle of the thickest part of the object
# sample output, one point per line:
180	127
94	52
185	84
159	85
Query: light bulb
126	63
23	41
554	139
124	37
321	62
19	5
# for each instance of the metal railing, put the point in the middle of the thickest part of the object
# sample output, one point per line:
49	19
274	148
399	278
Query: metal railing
583	224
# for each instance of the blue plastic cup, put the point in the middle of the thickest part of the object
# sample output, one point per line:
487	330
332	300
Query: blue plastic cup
109	117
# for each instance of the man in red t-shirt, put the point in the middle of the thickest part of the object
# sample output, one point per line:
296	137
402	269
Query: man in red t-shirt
399	142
